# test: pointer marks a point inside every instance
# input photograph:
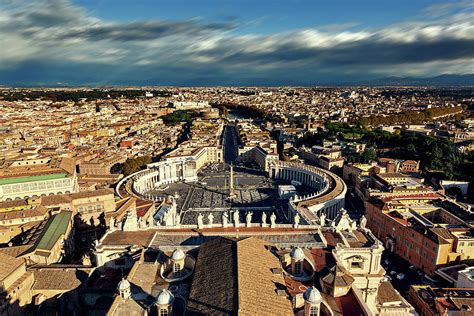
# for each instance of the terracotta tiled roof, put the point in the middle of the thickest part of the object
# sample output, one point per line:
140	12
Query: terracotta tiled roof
27	214
14	203
338	277
67	198
8	264
235	277
16	251
65	279
214	288
256	283
387	294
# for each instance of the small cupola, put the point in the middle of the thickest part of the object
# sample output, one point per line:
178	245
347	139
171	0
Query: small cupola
312	302
177	261
297	261
124	289
164	303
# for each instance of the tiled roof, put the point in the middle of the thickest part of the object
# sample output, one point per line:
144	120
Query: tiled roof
387	294
15	251
338	277
65	279
257	284
235	277
214	288
27	214
8	264
67	198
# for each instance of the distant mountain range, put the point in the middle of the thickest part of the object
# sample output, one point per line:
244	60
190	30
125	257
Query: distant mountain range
437	81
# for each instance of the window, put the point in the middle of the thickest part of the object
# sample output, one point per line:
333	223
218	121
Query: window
177	270
298	268
313	311
357	265
163	312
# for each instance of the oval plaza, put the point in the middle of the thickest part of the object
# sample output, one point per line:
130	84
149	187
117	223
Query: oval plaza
200	179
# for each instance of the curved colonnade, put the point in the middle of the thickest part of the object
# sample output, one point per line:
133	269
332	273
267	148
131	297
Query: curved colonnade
328	197
158	174
329	194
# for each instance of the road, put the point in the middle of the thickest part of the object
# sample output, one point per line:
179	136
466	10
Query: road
230	144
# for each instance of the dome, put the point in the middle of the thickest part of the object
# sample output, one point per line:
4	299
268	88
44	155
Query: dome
297	254
178	254
123	285
312	296
164	298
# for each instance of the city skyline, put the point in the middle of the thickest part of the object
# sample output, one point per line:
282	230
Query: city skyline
62	42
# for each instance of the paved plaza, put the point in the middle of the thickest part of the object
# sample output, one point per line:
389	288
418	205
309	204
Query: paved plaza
210	195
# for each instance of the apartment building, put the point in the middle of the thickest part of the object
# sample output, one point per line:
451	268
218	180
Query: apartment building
420	231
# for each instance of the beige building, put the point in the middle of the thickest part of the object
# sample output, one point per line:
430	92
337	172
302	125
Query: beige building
55	241
90	205
15	284
37	177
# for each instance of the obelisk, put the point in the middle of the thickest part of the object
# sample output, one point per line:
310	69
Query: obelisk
231	183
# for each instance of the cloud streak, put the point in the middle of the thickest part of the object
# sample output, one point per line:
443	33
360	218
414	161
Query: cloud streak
51	35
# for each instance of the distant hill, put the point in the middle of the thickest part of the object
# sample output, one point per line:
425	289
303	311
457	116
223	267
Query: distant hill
438	81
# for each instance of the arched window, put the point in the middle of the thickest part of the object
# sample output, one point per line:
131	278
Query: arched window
177	270
298	267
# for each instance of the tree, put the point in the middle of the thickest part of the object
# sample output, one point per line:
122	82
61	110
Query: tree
132	165
369	155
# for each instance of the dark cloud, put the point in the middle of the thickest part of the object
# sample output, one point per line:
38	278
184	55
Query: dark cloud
54	40
367	52
141	31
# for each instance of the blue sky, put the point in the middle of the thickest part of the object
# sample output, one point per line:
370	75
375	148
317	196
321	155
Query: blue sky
231	42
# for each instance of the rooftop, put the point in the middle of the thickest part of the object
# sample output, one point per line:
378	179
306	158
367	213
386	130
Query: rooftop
57	226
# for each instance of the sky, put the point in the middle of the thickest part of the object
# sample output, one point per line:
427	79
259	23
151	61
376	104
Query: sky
231	42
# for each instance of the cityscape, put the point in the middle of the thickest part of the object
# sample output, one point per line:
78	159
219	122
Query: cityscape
185	185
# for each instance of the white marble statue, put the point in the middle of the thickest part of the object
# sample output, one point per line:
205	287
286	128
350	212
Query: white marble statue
131	221
151	221
248	218
177	220
322	219
296	220
236	218
344	221
112	223
225	220
210	218
264	219
363	222
200	221
141	223
273	220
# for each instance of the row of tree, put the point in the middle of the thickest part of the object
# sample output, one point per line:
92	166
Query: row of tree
245	110
408	117
132	165
77	95
436	154
178	116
